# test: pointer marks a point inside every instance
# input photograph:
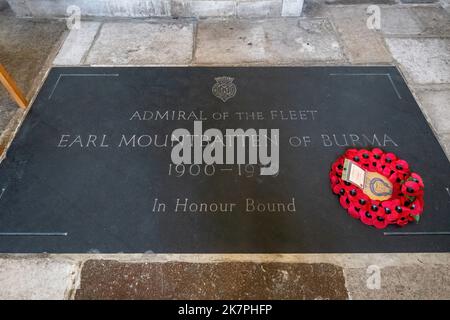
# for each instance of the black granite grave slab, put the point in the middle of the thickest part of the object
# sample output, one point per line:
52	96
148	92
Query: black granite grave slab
69	185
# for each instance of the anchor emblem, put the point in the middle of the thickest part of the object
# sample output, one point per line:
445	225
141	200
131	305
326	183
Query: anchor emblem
224	88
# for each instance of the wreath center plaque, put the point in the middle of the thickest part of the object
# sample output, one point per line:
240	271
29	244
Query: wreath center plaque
212	160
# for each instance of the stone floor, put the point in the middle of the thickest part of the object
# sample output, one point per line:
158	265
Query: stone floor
26	46
416	38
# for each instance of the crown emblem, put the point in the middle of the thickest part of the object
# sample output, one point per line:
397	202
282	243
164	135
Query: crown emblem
224	88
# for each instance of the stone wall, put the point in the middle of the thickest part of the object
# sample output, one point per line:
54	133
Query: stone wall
159	8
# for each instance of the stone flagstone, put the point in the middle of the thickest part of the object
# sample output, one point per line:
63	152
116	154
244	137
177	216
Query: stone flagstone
77	44
7	110
400	21
435	20
45	279
272	41
362	45
228	42
25	45
143	43
424	281
436	105
426	60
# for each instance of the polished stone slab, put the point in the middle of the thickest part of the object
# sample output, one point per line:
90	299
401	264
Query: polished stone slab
64	191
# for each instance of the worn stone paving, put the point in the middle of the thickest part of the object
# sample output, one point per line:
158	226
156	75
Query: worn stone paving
225	280
24	49
361	45
77	44
416	38
24	52
36	278
408	282
122	43
424	59
271	41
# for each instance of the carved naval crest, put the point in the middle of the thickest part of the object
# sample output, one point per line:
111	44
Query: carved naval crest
224	88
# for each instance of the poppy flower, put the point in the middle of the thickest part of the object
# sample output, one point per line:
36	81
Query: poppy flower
372	166
338	189
402	221
400	166
364	158
354	194
344	201
337	167
363	201
334	179
406	201
390	213
377	154
388	158
380	221
374	208
354	211
367	218
387	171
380	167
398	177
416	178
347	186
411	188
350	153
416	206
404	217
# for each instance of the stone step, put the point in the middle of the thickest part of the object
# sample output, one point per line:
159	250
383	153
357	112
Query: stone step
158	8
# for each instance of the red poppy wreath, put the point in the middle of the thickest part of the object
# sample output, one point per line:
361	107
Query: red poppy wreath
377	188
